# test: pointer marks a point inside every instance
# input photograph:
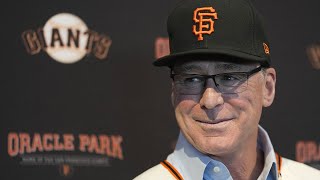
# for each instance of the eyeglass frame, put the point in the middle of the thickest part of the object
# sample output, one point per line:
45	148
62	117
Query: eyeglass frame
206	77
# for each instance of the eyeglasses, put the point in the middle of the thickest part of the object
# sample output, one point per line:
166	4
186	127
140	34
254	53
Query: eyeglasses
226	83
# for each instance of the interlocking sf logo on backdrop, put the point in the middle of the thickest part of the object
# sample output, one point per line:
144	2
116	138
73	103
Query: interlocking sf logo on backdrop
65	150
308	152
66	39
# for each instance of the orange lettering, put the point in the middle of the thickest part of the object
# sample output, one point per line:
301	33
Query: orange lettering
36	144
94	144
47	146
13	144
312	150
56	144
300	151
42	39
21	143
24	143
91	38
307	151
116	146
84	142
318	154
105	144
31	42
102	47
68	142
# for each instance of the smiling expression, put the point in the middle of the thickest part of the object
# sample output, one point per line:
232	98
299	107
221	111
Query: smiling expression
217	123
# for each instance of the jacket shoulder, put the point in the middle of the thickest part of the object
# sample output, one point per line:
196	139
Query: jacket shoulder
157	172
295	170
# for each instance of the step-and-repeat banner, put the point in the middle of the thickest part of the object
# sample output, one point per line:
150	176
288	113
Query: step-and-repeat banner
81	100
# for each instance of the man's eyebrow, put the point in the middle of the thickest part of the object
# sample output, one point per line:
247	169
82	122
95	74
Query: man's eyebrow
228	67
190	67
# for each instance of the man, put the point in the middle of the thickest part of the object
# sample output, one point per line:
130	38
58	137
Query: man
222	78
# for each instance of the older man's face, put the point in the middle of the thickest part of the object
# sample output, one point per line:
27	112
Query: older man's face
218	123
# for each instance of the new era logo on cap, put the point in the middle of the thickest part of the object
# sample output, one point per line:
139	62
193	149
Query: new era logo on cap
266	48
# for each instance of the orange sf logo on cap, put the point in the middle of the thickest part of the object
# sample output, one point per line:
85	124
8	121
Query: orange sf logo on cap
204	18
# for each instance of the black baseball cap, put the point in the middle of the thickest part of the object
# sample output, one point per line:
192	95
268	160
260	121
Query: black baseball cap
204	29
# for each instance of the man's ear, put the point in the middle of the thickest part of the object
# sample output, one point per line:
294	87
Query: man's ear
269	87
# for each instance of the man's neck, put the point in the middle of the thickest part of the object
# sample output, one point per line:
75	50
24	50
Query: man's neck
245	164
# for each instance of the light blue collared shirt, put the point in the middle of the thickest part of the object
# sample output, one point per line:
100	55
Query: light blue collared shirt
193	165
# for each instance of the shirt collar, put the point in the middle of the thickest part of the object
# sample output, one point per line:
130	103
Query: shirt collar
191	163
264	143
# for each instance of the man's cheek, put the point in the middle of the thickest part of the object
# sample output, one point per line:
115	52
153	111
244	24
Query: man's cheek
189	98
240	104
186	106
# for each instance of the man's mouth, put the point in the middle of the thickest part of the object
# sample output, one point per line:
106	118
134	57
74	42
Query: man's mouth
216	121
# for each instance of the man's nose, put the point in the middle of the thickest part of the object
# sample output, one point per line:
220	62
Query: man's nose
211	97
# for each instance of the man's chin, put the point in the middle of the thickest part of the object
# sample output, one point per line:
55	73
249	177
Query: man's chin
216	147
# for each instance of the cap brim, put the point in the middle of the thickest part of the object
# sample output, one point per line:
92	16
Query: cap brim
238	56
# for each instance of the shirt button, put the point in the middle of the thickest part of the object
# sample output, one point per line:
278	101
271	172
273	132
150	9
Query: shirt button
216	169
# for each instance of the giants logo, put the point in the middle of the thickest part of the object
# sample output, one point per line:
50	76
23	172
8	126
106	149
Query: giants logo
203	17
66	39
